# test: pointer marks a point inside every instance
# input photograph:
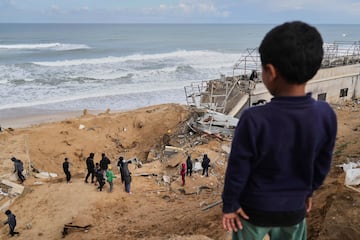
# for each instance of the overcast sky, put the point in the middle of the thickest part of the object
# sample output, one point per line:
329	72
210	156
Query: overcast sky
179	11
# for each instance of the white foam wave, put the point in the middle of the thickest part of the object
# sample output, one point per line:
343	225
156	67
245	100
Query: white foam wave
139	57
50	46
137	90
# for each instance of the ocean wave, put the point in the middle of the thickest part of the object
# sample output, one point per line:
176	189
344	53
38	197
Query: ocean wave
48	46
199	54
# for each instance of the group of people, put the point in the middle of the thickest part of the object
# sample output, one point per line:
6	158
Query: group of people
102	172
186	168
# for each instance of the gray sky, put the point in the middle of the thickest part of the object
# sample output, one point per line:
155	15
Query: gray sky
180	11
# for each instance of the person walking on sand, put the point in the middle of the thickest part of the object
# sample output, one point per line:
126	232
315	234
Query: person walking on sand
127	175
189	166
11	221
110	177
205	165
66	168
281	151
18	168
90	168
182	173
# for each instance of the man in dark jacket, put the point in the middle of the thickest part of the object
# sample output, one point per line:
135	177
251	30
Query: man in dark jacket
90	168
66	168
205	165
120	165
11	222
100	177
104	163
189	166
18	168
127	175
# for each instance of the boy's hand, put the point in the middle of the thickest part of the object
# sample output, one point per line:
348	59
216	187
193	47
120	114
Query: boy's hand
231	221
308	204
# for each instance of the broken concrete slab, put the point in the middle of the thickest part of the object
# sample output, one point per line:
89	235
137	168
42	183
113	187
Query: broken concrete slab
170	150
15	189
45	175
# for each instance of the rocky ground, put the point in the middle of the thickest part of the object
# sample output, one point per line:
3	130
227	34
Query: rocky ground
159	208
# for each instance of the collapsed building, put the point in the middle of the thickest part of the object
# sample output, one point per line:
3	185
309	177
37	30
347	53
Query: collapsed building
336	81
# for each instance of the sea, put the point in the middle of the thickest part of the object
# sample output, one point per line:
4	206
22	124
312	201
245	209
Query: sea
122	66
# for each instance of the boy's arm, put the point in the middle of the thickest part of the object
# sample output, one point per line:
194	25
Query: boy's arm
323	162
243	150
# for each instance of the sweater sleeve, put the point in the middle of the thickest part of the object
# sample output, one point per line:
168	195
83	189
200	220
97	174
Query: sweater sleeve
322	163
243	150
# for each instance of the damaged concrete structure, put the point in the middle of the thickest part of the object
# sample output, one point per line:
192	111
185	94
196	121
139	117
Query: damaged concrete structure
337	81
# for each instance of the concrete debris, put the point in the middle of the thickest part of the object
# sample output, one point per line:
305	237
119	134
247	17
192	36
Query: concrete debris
352	173
166	179
45	175
69	227
214	123
3	193
197	167
170	150
212	205
13	188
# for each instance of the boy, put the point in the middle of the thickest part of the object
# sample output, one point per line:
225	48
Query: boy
281	151
110	177
182	173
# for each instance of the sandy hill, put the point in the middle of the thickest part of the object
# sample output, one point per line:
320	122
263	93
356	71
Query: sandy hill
157	209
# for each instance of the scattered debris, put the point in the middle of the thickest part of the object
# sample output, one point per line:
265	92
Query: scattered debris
352	173
166	179
212	205
214	123
14	189
70	227
45	175
170	150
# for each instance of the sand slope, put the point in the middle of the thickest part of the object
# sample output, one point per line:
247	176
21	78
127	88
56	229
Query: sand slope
156	210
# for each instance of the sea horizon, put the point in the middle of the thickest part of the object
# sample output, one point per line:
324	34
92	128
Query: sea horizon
123	66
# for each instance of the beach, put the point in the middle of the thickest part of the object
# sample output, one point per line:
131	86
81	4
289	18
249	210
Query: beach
157	209
118	89
26	117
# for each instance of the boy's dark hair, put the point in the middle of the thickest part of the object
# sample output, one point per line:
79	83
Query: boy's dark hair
7	212
295	49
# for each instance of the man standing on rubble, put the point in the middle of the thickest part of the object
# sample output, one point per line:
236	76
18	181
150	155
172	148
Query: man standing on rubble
205	165
127	175
189	166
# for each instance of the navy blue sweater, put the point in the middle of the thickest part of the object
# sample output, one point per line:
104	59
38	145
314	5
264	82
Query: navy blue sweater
281	152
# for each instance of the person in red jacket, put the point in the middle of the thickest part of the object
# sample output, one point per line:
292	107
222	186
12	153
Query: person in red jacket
182	173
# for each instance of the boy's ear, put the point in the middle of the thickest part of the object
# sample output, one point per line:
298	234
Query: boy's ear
271	70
